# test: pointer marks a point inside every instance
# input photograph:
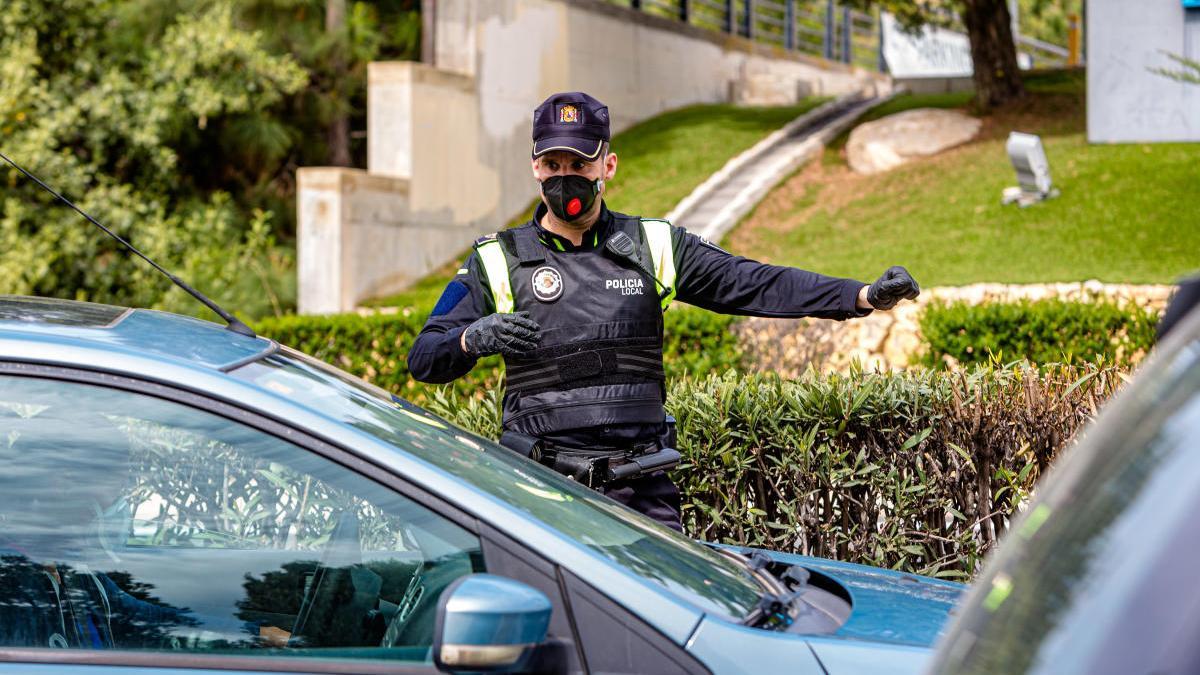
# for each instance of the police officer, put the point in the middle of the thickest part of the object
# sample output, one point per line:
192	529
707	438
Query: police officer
573	300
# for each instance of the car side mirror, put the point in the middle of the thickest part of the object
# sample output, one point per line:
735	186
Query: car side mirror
487	623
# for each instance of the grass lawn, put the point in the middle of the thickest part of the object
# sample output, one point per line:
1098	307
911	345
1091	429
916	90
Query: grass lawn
660	161
1128	213
664	158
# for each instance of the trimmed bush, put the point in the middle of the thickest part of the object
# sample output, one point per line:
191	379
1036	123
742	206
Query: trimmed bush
1042	331
375	347
918	471
697	342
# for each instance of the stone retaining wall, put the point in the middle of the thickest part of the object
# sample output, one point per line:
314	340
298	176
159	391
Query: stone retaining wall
887	340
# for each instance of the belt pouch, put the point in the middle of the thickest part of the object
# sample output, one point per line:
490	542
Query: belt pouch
522	444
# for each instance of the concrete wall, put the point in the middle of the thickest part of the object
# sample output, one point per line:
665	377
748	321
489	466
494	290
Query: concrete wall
1125	101
453	136
935	85
350	222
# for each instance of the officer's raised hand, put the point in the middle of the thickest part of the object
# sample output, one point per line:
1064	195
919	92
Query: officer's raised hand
895	285
507	334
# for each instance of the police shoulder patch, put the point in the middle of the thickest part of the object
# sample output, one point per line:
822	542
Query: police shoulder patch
485	239
454	293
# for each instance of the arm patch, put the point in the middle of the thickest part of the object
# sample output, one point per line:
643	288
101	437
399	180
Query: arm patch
454	293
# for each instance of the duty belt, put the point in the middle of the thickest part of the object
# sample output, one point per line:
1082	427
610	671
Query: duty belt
594	469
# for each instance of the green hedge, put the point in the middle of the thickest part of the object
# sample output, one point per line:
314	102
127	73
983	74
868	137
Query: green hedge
375	346
1042	331
917	471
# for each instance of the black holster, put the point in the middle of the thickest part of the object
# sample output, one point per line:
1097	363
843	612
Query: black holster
665	457
638	465
598	469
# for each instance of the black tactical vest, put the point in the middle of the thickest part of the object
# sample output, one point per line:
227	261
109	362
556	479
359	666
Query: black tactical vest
599	361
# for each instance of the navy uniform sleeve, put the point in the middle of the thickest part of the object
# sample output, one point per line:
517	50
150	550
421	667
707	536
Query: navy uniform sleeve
709	277
436	355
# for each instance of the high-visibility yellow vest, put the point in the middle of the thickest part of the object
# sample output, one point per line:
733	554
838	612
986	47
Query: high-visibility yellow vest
656	233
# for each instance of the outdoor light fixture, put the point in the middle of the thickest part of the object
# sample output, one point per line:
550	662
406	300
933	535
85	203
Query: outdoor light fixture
1033	171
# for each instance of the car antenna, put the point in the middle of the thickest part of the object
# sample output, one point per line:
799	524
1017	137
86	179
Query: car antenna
231	321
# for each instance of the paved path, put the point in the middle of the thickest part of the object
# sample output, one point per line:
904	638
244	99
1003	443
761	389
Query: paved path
728	195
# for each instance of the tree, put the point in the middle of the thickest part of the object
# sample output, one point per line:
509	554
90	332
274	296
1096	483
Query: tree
989	28
339	126
180	124
993	52
1048	20
127	128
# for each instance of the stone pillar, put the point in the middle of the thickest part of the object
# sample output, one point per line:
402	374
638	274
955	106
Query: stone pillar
354	239
390	118
320	246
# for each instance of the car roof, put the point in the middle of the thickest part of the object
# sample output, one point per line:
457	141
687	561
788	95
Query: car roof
145	332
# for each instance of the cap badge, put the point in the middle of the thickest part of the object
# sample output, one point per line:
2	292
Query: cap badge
547	284
568	114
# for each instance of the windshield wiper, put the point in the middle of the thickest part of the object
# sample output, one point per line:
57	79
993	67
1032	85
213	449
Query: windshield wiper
776	605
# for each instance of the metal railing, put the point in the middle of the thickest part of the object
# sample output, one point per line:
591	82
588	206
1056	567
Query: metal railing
822	28
1043	54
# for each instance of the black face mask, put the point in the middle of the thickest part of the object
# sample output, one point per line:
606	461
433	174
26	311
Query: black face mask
571	196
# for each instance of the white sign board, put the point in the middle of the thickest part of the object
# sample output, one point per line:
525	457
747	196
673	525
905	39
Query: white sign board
930	52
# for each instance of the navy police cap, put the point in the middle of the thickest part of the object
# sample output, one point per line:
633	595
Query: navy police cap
571	121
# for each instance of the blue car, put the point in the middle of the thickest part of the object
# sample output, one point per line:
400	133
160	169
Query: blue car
177	496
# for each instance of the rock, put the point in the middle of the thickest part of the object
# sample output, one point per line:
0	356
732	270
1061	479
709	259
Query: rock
872	330
893	140
887	340
1036	293
973	294
900	347
1065	290
876	156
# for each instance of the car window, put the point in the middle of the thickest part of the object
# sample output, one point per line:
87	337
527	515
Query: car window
131	522
653	552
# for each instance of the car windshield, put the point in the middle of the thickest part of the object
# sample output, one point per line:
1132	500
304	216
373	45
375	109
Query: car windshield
686	567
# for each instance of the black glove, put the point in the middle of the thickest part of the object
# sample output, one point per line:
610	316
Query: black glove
895	285
506	334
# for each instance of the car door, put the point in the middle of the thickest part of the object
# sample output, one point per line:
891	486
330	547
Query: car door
596	633
141	525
